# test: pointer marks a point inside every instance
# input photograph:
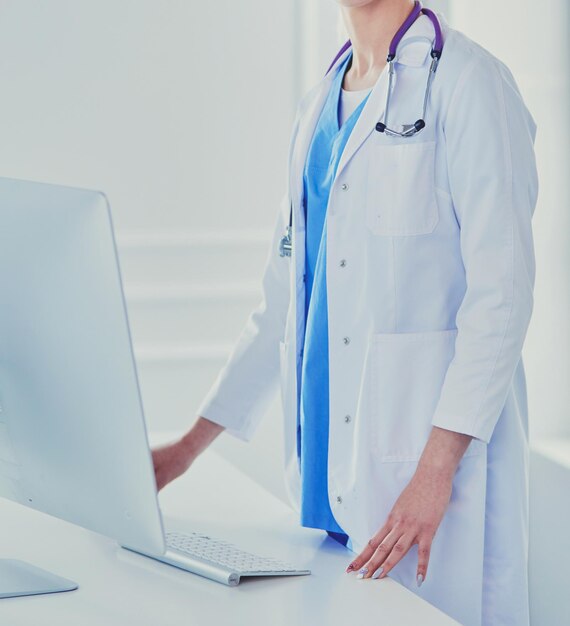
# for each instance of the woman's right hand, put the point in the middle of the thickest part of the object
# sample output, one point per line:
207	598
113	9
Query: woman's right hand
173	459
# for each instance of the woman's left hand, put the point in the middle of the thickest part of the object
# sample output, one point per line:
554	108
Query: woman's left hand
414	519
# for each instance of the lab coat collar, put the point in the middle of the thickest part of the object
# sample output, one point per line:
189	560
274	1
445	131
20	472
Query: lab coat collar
413	47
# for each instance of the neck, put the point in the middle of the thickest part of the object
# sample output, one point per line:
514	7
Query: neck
371	28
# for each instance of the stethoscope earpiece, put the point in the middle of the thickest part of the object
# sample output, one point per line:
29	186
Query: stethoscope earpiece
410	130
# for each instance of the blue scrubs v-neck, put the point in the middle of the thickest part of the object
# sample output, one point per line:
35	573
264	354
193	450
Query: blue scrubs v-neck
327	145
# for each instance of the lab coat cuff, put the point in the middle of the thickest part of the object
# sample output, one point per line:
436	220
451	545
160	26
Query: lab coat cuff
462	425
234	425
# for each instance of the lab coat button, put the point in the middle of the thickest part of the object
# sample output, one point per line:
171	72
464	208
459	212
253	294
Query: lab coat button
347	418
346	340
339	499
342	263
344	186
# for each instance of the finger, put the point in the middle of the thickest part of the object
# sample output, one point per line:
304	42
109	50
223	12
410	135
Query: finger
399	550
368	551
381	552
361	558
424	549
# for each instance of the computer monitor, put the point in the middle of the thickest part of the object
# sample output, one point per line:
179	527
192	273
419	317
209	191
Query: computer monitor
73	441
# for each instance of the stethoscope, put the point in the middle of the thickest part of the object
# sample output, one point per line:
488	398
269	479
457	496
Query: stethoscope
409	130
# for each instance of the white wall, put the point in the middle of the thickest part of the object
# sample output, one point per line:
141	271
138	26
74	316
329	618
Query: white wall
171	107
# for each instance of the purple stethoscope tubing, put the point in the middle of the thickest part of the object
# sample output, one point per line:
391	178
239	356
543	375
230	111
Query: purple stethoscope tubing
438	44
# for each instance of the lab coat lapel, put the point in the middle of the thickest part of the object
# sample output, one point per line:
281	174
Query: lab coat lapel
371	113
307	124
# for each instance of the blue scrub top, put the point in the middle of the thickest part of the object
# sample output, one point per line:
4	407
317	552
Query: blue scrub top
324	153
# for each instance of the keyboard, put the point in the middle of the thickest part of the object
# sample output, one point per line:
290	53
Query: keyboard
220	560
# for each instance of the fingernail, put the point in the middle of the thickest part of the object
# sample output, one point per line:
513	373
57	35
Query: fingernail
377	572
361	573
350	567
420	579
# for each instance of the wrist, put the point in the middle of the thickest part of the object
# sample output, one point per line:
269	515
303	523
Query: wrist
188	445
438	469
442	453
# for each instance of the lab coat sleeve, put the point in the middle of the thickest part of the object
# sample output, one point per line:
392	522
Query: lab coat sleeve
246	384
489	137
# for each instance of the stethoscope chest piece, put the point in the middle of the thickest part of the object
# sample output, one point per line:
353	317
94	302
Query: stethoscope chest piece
286	243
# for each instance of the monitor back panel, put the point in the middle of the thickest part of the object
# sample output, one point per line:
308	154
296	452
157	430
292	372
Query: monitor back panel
73	441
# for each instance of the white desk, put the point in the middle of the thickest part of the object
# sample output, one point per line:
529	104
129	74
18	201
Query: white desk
118	588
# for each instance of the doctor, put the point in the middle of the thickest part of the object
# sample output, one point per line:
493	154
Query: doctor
396	322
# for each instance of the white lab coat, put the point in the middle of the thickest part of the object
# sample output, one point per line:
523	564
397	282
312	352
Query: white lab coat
427	318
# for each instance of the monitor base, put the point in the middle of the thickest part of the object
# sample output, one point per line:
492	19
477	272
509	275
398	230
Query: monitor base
22	579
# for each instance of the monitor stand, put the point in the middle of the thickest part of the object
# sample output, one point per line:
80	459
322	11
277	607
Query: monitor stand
22	579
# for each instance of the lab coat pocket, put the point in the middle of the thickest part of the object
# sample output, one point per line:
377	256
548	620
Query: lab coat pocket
406	374
401	197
